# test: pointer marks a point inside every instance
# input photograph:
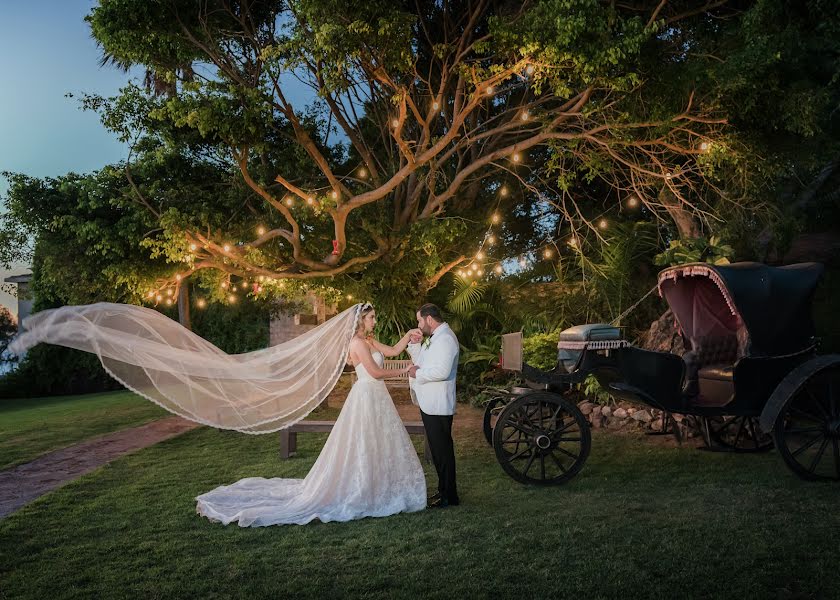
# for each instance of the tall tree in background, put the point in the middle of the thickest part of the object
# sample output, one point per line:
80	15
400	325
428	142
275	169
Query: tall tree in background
425	110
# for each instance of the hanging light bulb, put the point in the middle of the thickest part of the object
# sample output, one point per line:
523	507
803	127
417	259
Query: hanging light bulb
479	273
334	195
159	298
524	116
548	253
169	292
435	106
226	247
503	191
151	294
231	298
178	277
395	123
200	303
632	202
495	218
602	223
362	172
516	157
499	269
233	288
529	69
310	200
193	247
289	201
349	296
491	239
490	90
479	255
573	242
168	302
224	285
260	230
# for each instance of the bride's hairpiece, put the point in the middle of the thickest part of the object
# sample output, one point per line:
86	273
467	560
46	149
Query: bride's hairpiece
366	306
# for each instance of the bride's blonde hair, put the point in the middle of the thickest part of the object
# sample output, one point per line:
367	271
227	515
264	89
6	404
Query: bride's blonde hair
364	311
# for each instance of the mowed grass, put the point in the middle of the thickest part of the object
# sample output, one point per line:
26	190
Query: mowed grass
641	521
32	426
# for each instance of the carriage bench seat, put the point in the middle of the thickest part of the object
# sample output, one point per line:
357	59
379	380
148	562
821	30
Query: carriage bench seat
715	385
288	436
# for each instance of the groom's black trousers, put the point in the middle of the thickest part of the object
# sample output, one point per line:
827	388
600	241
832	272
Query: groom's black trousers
439	435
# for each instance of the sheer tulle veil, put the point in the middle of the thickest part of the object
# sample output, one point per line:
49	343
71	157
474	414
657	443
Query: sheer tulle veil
152	355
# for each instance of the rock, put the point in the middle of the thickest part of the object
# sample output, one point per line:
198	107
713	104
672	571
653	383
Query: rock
643	416
663	336
620	413
596	411
596	421
678	418
586	407
656	425
606	411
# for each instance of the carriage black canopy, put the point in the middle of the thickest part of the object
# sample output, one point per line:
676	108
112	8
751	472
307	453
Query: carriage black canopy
768	308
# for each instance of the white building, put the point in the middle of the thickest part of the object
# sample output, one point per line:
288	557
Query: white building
24	297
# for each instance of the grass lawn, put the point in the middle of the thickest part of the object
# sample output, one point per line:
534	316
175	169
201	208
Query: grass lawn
641	521
32	426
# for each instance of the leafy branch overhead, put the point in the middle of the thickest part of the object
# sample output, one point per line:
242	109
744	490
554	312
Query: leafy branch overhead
424	110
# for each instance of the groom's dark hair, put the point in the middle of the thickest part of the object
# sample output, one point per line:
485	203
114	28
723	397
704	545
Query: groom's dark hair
431	310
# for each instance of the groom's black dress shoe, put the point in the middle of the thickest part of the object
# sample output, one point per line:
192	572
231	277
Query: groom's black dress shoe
442	503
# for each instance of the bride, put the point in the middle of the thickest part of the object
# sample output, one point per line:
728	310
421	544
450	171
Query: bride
367	468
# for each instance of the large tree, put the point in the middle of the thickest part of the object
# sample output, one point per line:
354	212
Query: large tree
426	112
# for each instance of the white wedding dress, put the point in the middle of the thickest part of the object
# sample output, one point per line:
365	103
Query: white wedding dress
367	468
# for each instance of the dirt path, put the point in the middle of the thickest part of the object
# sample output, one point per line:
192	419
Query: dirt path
24	483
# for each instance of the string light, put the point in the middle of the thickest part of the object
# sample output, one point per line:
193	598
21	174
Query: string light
151	294
334	194
193	247
226	248
525	115
159	298
548	253
169	292
224	285
178	277
289	201
632	202
201	303
362	173
490	90
168	302
310	200
704	146
516	157
233	288
491	239
573	242
503	191
232	299
349	296
479	273
495	218
395	123
260	230
499	269
529	69
435	106
479	255
602	223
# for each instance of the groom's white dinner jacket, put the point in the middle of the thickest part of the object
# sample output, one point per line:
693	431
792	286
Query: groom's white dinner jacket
434	386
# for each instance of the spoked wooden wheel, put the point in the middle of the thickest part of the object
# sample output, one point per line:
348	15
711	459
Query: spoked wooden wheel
541	439
739	434
807	431
492	410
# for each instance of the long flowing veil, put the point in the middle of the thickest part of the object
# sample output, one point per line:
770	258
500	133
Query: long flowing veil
152	355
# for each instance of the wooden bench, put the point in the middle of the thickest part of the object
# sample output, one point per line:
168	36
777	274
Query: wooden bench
288	436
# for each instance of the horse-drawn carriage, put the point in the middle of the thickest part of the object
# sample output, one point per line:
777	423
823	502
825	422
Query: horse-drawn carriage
751	377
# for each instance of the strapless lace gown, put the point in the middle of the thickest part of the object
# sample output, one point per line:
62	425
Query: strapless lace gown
367	468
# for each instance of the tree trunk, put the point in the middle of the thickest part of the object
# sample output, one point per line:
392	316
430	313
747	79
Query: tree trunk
687	224
184	305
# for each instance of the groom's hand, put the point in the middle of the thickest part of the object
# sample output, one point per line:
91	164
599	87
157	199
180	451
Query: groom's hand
412	371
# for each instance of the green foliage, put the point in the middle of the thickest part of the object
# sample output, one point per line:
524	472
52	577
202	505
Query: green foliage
710	250
540	350
595	391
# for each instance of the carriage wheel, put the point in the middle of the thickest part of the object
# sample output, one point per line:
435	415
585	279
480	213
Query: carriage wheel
491	413
739	434
541	438
807	431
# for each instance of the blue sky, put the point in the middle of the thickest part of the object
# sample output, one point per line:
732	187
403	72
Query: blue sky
45	52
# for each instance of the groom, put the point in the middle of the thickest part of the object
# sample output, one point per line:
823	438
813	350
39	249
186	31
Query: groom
432	381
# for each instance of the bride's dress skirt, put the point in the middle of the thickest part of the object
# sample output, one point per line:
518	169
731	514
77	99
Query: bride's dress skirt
367	468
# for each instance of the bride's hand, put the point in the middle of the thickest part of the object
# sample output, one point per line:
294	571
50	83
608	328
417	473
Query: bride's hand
415	336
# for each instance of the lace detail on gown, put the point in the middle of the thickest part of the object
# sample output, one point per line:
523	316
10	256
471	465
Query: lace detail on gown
367	468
